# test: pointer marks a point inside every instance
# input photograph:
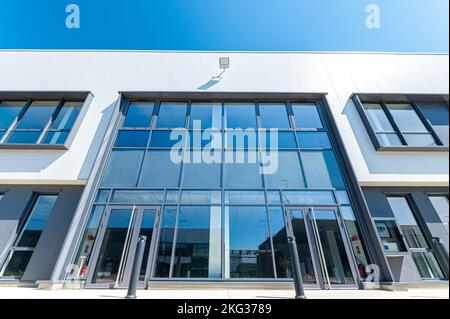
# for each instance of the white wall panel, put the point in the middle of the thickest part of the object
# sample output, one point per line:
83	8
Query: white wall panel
339	75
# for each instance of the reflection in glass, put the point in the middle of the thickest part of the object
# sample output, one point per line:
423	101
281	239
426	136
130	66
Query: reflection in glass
195	242
289	173
245	197
132	139
303	247
408	223
85	250
307	116
162	268
139	115
377	118
201	174
159	170
37	115
333	247
37	221
321	170
17	264
437	115
427	265
241	170
123	168
172	115
273	115
114	241
147	227
207	115
390	236
249	251
356	240
313	140
440	204
390	139
240	116
201	197
406	118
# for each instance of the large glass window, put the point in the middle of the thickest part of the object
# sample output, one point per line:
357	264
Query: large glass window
24	245
172	115
307	116
407	124
217	202
201	174
410	125
321	170
206	116
241	170
123	168
289	173
139	115
159	170
249	254
274	115
43	122
440	204
165	244
198	243
32	123
381	125
240	116
63	123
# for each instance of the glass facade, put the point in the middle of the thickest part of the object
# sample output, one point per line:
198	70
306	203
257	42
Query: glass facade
222	214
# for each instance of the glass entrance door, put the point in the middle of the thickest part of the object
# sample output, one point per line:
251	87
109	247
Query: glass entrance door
114	252
323	252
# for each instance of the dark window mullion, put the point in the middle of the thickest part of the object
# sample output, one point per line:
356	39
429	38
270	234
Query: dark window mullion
426	123
392	121
50	121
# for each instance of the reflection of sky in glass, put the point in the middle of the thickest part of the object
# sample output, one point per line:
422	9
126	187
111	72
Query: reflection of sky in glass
41	211
248	227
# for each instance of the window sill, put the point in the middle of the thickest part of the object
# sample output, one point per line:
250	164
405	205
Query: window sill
33	147
413	149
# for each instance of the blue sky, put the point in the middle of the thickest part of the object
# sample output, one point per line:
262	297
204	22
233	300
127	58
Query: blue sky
229	25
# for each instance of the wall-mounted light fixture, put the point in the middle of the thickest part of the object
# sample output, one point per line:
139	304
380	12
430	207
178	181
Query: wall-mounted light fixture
224	63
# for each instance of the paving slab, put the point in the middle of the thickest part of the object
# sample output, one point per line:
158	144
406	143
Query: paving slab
34	293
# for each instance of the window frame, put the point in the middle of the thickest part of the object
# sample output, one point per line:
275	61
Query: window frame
14	247
414	100
84	98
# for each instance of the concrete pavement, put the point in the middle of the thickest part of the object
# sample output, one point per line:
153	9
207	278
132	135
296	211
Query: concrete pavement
33	293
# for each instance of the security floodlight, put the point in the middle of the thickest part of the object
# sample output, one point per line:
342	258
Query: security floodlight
224	63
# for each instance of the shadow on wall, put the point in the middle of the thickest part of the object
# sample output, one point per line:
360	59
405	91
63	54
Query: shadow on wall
94	147
393	162
35	161
27	161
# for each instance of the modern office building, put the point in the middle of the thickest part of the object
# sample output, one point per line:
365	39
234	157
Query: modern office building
349	152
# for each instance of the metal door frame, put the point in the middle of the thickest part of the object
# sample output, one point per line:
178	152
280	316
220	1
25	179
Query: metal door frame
315	244
134	228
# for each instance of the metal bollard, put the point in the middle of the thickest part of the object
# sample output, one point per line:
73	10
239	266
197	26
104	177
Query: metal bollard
137	263
298	281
